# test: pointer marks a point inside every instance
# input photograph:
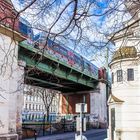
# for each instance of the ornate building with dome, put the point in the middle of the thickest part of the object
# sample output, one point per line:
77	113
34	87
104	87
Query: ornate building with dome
124	122
124	101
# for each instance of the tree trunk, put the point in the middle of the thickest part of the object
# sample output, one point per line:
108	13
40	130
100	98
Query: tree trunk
47	114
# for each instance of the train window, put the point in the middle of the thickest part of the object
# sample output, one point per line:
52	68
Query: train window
29	30
23	28
56	48
70	53
26	30
50	43
36	37
77	60
87	66
63	51
94	69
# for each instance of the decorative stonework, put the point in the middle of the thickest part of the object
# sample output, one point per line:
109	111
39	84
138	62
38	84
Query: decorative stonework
113	99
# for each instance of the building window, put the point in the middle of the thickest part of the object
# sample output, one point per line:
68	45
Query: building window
119	75
25	106
30	97
30	106
130	74
33	107
112	77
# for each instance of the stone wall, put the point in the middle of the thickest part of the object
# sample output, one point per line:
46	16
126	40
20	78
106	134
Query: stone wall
98	105
11	80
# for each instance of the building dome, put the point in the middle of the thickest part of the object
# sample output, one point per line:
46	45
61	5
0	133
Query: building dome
125	52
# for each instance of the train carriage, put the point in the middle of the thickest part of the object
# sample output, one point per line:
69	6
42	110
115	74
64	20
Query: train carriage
26	29
78	62
62	53
94	70
87	68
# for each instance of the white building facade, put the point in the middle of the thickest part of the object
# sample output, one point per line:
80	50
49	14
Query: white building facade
124	107
124	102
34	108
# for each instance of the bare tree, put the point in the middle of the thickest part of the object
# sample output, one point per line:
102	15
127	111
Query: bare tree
81	24
48	96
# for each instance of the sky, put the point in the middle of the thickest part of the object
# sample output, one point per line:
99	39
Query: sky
99	26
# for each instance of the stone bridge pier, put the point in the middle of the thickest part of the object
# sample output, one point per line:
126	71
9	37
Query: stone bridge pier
11	85
96	101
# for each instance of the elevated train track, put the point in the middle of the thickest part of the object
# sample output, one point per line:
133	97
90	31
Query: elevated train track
50	72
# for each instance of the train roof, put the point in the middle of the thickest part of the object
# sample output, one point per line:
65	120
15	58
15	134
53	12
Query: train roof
43	34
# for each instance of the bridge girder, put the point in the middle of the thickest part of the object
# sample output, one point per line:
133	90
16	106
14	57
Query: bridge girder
40	68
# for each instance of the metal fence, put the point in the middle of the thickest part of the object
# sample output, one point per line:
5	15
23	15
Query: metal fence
61	124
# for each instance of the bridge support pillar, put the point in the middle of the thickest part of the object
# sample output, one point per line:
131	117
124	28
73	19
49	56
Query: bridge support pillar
11	90
69	102
98	103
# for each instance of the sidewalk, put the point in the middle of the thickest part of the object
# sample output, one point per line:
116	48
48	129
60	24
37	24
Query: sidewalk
67	136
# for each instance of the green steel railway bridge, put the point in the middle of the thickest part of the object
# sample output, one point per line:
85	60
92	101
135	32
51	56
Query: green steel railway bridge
45	70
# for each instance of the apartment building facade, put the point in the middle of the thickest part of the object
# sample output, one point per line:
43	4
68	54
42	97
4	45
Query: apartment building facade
34	106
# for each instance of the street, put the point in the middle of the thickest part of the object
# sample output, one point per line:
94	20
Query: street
94	134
